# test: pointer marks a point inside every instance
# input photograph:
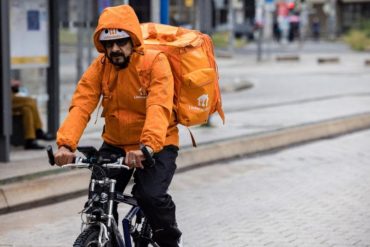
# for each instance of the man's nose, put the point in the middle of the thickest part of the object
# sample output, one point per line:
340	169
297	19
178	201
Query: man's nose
115	47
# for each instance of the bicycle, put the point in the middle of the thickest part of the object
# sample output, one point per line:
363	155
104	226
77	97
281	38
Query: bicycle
100	228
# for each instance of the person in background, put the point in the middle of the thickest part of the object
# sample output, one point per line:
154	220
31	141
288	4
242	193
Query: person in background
282	12
276	29
31	121
316	28
293	26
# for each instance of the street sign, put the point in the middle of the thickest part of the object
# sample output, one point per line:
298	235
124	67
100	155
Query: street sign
102	4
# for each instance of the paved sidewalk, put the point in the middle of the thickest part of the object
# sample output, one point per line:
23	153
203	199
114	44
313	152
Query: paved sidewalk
268	105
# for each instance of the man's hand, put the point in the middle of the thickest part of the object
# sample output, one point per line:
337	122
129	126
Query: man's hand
63	156
133	159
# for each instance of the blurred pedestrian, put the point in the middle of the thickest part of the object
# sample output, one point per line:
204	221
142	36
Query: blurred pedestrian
293	26
282	11
316	28
276	30
31	121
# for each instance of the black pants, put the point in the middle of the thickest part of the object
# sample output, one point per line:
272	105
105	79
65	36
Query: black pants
150	190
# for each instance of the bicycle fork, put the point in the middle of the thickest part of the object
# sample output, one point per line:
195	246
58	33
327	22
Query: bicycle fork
111	224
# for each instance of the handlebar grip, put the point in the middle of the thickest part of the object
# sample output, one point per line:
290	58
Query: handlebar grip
49	150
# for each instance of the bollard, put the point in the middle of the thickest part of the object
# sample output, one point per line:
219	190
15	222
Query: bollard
328	60
367	62
223	54
287	58
236	86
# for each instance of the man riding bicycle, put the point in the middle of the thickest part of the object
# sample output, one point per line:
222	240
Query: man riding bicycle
138	119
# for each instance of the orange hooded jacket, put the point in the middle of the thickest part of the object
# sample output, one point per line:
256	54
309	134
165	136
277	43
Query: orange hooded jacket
133	114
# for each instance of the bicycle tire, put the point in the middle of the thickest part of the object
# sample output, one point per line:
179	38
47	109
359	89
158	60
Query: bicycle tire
89	238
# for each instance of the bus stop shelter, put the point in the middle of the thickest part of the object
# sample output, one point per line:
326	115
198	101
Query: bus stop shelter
52	80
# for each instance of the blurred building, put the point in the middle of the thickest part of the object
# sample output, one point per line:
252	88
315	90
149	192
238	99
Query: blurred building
335	16
204	15
70	12
351	12
345	14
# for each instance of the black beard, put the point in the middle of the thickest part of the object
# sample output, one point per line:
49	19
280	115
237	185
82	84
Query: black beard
121	65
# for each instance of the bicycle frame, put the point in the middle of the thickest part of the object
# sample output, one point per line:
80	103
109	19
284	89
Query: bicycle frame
126	224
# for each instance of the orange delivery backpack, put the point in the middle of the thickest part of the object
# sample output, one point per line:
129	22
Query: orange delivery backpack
192	59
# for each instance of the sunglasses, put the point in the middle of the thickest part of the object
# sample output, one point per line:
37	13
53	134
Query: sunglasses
119	42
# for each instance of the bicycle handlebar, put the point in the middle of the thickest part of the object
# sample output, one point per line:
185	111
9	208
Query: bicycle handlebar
80	162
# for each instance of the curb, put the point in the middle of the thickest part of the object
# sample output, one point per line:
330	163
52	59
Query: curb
269	141
288	58
235	86
53	188
324	60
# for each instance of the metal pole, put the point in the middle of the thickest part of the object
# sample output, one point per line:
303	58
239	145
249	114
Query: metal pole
204	22
88	31
259	44
179	12
53	80
198	10
332	19
80	37
155	11
230	19
260	17
217	17
5	92
165	5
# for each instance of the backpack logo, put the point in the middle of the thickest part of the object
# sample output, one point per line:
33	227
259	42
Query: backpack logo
203	100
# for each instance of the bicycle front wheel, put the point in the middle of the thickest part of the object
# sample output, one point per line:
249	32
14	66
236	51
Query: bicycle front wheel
89	238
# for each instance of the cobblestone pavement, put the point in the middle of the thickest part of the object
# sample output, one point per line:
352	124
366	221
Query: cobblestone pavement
312	195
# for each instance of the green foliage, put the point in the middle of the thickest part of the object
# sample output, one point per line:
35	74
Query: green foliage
364	26
221	40
359	37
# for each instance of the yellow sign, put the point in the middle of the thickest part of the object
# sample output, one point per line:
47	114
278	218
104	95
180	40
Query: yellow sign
36	60
189	3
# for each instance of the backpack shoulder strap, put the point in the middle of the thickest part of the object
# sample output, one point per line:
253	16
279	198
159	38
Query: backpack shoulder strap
144	69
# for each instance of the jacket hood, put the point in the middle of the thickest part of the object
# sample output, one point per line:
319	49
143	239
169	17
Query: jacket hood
120	17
